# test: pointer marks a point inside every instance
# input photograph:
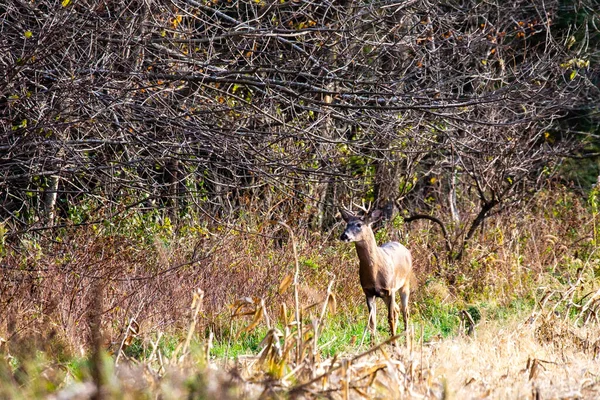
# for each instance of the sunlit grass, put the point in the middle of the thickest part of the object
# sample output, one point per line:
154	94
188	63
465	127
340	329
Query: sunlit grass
501	289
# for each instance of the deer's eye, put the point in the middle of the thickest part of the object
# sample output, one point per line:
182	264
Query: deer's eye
359	224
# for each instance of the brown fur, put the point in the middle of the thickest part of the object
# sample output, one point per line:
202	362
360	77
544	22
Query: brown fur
384	270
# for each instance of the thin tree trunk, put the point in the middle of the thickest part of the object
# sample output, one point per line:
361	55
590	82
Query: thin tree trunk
49	199
452	198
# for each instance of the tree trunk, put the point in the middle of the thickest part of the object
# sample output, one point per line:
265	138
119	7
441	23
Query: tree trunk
49	199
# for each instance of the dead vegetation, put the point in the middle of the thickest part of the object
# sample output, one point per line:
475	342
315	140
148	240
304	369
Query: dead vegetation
549	354
541	355
176	301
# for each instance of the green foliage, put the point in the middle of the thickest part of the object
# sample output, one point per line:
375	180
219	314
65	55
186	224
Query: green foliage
79	368
381	235
397	222
139	349
342	334
310	263
498	312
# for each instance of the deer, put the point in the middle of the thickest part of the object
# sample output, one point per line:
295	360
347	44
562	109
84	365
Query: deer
384	270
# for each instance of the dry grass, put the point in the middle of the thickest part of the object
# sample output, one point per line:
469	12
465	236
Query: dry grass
547	354
551	353
536	356
289	289
509	361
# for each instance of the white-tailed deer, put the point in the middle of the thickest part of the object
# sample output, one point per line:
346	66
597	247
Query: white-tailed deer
384	269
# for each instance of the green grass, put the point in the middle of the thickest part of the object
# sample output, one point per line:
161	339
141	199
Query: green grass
246	344
140	349
343	333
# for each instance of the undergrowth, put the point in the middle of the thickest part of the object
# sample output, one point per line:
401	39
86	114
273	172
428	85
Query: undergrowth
148	268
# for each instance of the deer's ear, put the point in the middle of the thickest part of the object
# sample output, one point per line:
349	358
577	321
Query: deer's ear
346	215
374	216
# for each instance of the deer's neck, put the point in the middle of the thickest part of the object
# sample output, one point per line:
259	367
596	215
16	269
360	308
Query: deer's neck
368	254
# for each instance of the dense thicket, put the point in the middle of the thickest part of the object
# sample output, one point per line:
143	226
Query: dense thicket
452	110
148	148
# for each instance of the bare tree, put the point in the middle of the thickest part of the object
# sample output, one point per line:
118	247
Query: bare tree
223	105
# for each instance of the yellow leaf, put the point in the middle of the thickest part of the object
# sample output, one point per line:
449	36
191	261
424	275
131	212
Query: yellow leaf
28	34
332	303
583	63
573	74
176	21
285	283
66	3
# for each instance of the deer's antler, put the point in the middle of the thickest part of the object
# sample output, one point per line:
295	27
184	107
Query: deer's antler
363	207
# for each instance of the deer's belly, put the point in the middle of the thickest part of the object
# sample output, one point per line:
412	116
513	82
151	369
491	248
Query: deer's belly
379	285
377	292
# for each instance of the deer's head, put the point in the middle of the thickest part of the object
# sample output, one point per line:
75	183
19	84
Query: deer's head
358	227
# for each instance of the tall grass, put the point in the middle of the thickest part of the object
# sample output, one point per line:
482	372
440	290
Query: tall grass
551	350
289	317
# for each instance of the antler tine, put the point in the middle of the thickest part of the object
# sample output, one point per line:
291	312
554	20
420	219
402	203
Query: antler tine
357	206
363	208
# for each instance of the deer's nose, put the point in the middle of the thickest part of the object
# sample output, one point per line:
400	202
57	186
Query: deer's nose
344	237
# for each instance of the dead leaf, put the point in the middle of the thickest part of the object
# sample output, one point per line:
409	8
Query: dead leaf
285	283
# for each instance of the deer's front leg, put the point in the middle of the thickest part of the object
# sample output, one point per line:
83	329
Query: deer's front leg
372	315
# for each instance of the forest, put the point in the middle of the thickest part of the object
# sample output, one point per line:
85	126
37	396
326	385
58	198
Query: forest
174	176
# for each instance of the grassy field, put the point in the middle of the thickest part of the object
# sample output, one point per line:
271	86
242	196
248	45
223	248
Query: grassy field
541	353
143	308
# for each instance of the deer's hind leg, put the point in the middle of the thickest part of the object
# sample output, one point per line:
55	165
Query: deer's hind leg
404	294
390	302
